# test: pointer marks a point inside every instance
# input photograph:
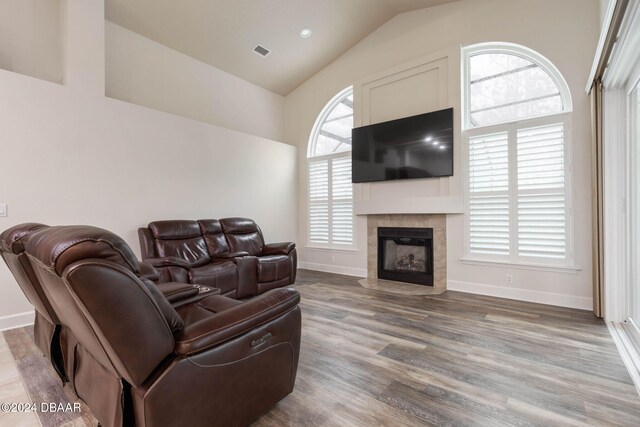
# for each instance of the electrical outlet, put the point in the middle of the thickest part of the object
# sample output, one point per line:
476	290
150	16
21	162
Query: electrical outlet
509	279
333	259
3	209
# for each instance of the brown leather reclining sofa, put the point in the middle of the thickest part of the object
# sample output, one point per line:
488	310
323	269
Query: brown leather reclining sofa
229	254
138	359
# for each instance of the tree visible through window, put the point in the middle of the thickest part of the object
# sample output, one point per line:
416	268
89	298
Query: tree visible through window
505	87
330	188
516	134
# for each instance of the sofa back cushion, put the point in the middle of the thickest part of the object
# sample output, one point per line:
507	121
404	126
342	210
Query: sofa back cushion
214	237
181	239
243	235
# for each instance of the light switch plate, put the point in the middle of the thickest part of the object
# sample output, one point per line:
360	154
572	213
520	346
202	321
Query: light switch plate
3	209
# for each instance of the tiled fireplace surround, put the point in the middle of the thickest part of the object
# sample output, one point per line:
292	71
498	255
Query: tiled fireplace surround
437	222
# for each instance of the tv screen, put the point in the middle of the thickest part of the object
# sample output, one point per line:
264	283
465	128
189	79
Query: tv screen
413	147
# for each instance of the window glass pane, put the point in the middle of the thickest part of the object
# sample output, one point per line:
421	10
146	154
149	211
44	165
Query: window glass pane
334	134
506	87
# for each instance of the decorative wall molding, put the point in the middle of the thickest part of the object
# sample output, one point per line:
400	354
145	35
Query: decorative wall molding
422	85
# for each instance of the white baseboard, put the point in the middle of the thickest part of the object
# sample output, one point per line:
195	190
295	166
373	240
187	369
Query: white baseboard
17	320
337	269
562	300
627	351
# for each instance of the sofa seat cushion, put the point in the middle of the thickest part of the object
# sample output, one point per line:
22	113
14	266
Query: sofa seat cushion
222	275
273	267
236	320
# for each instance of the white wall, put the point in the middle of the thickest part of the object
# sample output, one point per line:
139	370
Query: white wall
147	73
564	31
30	38
73	156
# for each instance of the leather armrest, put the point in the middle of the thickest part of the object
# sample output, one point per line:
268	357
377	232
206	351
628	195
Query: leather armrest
148	271
278	248
228	255
169	261
175	291
236	320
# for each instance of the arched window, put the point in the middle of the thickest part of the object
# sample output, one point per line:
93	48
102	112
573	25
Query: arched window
516	130
330	188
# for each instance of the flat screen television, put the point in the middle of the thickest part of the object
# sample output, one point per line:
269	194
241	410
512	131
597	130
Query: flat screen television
412	147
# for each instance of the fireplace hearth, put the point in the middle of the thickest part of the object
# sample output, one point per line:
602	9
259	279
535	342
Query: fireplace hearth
405	254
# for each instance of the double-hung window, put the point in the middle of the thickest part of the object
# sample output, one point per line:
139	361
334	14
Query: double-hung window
330	208
518	170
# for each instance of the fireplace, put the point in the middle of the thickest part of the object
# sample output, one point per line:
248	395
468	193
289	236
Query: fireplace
406	255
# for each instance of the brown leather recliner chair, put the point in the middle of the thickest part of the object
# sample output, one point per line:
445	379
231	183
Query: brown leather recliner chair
46	328
49	336
136	359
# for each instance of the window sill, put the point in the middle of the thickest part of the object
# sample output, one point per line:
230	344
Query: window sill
522	265
326	249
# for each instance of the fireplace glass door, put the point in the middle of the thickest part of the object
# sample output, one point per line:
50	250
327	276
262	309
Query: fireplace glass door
406	255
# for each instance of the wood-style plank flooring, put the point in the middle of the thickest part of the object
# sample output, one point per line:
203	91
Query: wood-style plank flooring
372	358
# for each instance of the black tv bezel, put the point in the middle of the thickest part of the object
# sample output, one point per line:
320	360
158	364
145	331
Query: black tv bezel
408	118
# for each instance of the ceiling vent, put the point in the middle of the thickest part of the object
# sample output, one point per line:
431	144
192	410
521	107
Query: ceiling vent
261	50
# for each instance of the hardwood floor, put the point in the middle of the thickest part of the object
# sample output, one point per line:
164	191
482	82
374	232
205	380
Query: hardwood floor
372	358
375	358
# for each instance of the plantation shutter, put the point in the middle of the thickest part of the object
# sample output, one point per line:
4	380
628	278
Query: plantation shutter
342	201
319	201
541	192
489	194
331	201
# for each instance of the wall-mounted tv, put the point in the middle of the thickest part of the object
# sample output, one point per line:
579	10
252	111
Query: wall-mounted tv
412	147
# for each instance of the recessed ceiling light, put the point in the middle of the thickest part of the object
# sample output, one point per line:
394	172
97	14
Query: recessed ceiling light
305	33
442	147
436	143
428	139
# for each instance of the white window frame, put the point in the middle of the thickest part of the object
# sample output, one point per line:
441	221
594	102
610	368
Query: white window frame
329	158
511	127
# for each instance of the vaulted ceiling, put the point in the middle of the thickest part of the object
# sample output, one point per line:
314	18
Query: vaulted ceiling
223	33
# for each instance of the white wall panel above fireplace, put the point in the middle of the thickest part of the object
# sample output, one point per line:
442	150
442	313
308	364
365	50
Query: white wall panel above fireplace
410	205
426	84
